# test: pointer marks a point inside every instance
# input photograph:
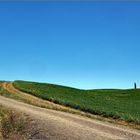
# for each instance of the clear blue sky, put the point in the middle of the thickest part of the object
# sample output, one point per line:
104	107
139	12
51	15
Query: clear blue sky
83	45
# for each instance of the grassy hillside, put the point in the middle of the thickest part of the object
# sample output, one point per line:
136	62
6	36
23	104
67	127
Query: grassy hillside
123	104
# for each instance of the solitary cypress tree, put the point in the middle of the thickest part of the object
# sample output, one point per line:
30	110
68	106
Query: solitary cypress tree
135	86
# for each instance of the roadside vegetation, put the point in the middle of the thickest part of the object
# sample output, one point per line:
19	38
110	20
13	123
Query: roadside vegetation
117	104
30	99
12	124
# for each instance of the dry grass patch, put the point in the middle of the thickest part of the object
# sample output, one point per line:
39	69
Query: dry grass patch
11	124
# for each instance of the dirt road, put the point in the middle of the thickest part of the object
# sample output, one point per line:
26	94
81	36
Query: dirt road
65	126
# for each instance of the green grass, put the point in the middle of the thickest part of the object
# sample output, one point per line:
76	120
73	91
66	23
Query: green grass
120	104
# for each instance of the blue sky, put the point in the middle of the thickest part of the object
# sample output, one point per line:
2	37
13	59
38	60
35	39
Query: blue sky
78	44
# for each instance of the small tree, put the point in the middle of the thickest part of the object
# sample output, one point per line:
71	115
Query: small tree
135	86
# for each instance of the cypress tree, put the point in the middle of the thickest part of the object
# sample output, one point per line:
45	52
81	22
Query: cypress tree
135	86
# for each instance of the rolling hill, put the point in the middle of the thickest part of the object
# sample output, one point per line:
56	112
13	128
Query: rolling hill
115	103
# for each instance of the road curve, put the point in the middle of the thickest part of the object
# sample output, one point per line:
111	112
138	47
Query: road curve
66	126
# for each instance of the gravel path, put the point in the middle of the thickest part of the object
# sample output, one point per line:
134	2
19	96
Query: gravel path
56	125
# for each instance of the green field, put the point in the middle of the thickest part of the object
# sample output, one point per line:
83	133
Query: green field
119	104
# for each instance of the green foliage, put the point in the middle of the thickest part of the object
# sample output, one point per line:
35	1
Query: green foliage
123	104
